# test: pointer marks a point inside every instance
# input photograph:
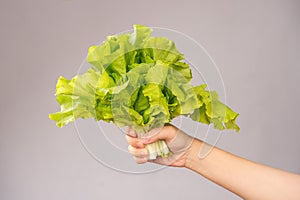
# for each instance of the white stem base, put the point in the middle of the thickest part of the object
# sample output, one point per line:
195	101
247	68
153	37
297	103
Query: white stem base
158	148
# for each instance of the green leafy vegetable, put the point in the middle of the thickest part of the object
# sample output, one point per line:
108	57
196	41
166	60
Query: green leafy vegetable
139	81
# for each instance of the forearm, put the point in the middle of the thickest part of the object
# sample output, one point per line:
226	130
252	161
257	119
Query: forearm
247	179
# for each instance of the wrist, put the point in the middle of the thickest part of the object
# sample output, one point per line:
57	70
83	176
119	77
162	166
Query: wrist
192	154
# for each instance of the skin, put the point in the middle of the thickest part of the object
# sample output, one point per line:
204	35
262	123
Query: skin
245	178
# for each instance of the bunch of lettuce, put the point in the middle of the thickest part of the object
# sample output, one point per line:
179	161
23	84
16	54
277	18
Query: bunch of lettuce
140	81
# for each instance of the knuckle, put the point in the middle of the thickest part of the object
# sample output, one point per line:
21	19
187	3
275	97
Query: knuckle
139	153
130	149
134	142
128	138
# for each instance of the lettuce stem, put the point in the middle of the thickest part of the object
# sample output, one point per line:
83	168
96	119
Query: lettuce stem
158	148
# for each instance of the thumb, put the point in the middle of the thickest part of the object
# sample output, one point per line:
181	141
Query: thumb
154	135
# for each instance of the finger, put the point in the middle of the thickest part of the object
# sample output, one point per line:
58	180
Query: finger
140	160
135	142
131	132
167	133
161	135
152	132
139	153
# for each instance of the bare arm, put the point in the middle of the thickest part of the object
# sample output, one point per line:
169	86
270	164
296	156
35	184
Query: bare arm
245	178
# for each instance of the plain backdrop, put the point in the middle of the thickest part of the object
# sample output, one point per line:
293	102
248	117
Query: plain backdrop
255	44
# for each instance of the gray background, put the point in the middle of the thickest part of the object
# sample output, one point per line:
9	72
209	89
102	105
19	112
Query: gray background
254	43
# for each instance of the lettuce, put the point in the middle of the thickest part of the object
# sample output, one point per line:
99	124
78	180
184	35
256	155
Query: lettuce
140	81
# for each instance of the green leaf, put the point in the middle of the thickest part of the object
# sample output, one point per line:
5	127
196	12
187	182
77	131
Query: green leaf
138	81
163	49
213	111
139	35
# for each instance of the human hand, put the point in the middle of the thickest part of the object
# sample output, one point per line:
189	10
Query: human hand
178	142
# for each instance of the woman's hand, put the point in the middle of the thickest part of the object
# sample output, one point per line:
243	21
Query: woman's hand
243	177
178	142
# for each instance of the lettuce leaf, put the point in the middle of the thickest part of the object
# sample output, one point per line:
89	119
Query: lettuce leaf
139	81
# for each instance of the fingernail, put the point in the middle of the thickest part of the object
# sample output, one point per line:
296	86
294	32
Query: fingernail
132	133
